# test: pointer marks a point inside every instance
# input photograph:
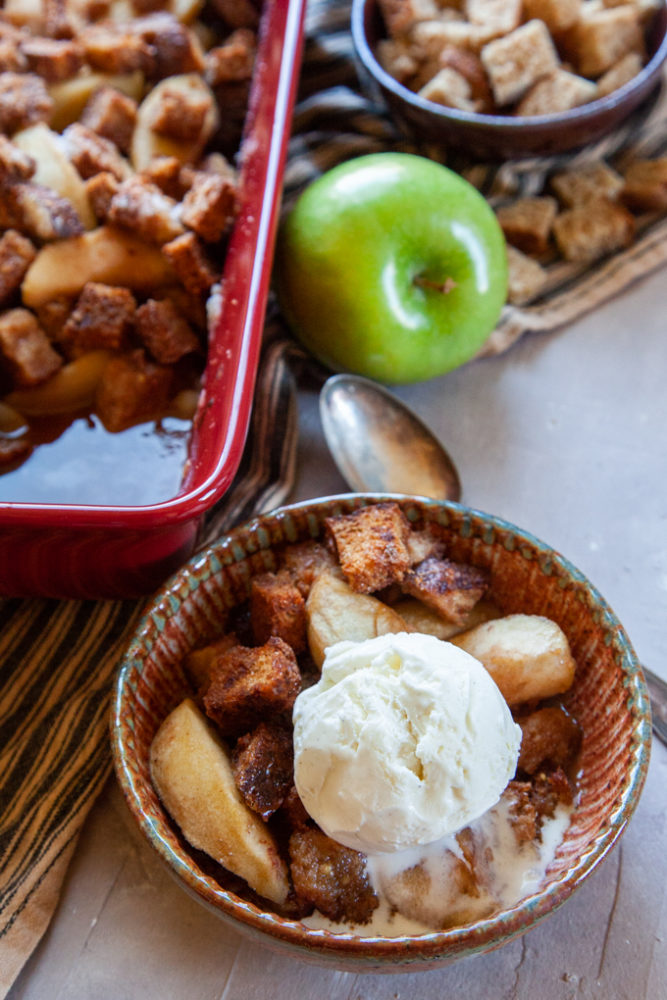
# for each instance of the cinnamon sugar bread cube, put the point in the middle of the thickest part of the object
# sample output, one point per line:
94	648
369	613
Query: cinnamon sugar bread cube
620	73
164	332
645	185
53	59
452	589
232	61
100	189
116	48
112	115
558	15
132	388
168	174
12	60
400	16
141	206
499	16
449	88
93	154
25	349
263	767
372	546
331	877
560	91
527	223
251	684
38	212
277	608
589	231
101	320
549	736
15	164
431	37
24	100
517	61
305	561
601	37
525	279
398	58
210	206
16	255
190	262
595	180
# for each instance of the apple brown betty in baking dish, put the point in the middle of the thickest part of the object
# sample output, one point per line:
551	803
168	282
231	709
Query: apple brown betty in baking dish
119	121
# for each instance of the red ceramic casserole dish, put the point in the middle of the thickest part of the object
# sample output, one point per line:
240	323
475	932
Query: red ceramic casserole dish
91	551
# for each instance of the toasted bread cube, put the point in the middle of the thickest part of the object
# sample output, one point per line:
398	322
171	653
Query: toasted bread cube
277	608
24	100
12	60
528	656
210	206
499	16
93	154
452	589
305	561
526	277
15	163
167	173
190	263
249	685
112	115
175	49
518	60
164	332
527	223
141	206
101	320
558	15
469	65
232	61
132	388
645	185
620	73
401	15
397	57
372	546
431	37
331	877
424	544
595	180
589	231
601	38
38	212
53	59
100	189
16	255
191	771
114	48
25	348
560	91
450	89
263	766
549	735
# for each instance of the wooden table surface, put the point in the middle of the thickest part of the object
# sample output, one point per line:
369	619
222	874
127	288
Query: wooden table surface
566	436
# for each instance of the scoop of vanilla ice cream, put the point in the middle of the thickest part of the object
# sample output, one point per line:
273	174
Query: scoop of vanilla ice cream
404	739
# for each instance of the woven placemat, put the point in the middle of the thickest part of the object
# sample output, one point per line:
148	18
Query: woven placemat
57	659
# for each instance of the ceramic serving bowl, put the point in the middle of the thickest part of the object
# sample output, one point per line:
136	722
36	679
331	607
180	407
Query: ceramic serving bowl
608	698
503	136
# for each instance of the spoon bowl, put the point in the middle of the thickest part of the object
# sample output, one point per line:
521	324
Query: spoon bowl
380	445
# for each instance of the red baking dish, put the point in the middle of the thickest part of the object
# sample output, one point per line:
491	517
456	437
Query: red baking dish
121	551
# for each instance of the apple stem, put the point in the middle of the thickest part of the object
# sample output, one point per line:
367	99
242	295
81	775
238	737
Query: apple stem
446	286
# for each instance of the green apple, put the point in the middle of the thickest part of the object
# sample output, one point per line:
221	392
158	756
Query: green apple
392	266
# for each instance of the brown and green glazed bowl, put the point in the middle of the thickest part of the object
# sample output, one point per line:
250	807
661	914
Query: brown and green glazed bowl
608	698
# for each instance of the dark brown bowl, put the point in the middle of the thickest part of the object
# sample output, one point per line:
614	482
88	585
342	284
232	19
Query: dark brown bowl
608	699
503	136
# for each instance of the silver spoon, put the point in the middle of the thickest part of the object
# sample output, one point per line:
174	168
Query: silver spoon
380	446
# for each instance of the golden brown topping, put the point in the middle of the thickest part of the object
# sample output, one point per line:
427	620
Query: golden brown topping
38	212
331	877
140	206
100	189
16	255
190	263
232	61
92	154
164	332
550	736
277	608
53	59
263	762
25	348
452	589
101	320
372	546
24	100
210	206
112	115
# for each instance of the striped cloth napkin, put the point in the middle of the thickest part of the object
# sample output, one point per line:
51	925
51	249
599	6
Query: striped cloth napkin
57	658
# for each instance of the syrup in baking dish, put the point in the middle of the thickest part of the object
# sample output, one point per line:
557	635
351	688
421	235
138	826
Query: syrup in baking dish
79	462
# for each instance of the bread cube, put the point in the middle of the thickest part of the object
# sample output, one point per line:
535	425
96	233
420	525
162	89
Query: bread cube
277	608
526	278
499	16
518	60
401	15
452	589
622	72
527	222
560	91
449	88
558	15
596	180
431	37
645	186
372	546
591	230
25	348
601	38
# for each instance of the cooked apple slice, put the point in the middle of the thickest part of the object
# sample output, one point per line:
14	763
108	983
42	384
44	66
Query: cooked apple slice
528	656
192	774
71	96
105	254
147	144
336	612
54	170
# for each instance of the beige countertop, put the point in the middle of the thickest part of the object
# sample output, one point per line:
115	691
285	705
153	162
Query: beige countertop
566	436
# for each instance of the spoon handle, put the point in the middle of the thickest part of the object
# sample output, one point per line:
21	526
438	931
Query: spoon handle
657	689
